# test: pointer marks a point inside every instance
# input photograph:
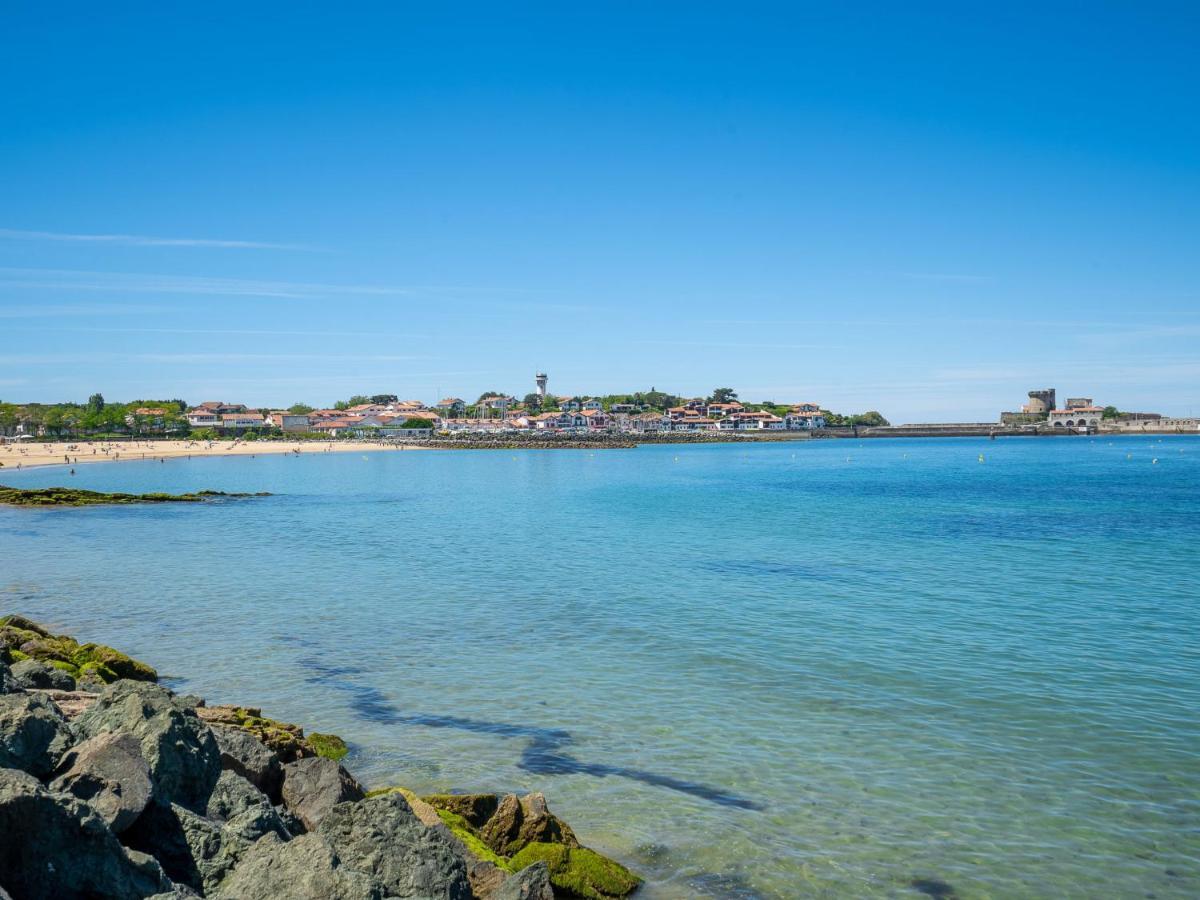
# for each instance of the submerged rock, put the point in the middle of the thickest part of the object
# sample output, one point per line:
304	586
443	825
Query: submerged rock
180	749
56	847
34	673
110	774
313	786
33	734
383	837
309	868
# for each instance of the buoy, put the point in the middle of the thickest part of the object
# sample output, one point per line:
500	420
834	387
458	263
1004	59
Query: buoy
1154	462
981	457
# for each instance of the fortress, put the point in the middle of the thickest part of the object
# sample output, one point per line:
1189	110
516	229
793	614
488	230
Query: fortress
1041	404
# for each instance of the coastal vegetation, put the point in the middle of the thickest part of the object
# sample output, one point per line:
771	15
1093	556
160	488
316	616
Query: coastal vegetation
116	787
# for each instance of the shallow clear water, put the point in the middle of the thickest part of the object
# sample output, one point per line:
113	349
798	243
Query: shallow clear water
837	668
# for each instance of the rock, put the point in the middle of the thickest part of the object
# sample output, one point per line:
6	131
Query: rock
328	745
33	673
531	883
69	703
383	838
290	820
540	825
23	624
191	849
309	868
56	847
423	811
115	661
244	809
181	750
282	738
33	734
108	773
8	684
504	825
579	872
314	785
246	755
475	808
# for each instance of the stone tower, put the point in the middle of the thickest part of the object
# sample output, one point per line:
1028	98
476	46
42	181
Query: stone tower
1040	401
542	379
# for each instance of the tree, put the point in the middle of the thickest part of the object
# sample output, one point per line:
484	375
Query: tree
871	417
1110	412
341	404
300	409
357	400
95	403
549	404
384	399
532	401
417	423
723	395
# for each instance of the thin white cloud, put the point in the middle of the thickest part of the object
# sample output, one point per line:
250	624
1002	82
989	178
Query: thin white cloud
139	240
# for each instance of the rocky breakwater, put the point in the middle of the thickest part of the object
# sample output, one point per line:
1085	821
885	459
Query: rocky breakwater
113	786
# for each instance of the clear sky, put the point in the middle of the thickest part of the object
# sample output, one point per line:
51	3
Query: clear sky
926	209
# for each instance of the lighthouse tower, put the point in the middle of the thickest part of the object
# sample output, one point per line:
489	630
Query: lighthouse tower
541	378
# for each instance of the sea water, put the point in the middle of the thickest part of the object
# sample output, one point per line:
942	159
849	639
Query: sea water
836	668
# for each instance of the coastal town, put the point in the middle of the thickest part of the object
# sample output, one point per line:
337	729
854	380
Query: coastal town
645	415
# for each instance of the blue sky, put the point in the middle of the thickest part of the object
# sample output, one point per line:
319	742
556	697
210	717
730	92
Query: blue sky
927	209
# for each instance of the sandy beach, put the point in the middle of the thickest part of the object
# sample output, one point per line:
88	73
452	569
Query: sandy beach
27	455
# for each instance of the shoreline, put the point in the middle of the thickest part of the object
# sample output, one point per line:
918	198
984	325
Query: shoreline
19	457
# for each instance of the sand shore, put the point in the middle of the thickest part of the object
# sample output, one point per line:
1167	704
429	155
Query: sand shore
28	455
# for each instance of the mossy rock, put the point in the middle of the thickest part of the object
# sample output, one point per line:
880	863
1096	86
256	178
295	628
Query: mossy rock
50	649
70	668
94	672
462	830
579	872
23	624
115	661
286	740
475	808
329	746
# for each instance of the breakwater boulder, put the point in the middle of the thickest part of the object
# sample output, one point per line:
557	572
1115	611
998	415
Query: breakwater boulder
134	792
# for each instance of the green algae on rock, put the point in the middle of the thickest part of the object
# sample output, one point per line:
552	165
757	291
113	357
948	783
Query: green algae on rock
64	496
285	739
579	872
328	745
21	638
463	830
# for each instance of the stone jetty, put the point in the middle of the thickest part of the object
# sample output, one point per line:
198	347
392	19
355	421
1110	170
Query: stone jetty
113	786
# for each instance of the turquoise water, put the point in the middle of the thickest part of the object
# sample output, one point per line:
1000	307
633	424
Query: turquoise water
819	669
